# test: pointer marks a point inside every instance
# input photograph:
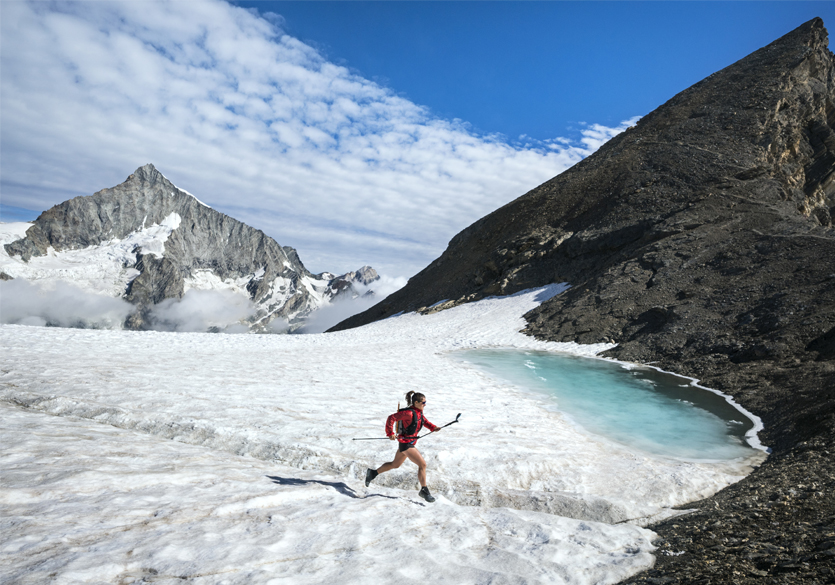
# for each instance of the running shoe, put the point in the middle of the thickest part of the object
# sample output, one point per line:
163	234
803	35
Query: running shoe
424	493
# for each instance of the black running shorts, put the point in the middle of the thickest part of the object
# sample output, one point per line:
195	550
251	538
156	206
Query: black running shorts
405	446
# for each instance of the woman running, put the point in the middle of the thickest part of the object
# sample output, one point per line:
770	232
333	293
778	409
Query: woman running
413	420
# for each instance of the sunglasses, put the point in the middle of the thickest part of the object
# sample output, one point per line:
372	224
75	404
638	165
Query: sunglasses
420	401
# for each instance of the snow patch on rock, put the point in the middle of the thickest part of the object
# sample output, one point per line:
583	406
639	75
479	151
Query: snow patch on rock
105	268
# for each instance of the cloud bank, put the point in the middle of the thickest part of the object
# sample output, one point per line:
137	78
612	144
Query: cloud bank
218	311
252	121
59	304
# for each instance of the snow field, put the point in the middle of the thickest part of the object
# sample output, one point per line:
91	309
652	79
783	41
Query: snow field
85	502
292	404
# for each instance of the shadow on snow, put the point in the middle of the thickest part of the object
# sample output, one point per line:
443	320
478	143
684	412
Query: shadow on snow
339	486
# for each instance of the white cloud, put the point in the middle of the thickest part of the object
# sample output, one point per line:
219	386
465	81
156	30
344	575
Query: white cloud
252	121
203	310
59	304
596	135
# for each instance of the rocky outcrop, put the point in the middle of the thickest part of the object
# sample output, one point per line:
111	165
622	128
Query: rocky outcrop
701	240
345	287
204	249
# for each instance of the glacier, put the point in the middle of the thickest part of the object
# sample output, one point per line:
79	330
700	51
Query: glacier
229	458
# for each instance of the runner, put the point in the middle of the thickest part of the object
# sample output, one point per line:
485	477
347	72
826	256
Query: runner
413	420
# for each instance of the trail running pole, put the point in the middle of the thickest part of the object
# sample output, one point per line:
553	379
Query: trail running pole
387	439
439	428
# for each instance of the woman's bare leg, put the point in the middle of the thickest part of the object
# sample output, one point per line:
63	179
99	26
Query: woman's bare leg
415	457
399	458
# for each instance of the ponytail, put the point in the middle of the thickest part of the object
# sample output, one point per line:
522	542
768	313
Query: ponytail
411	396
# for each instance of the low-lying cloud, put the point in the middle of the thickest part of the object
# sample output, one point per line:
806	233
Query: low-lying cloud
59	304
203	310
253	122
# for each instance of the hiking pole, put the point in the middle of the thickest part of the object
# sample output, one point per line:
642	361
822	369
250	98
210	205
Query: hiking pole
387	439
439	428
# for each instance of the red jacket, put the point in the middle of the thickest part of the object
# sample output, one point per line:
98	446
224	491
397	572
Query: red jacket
406	417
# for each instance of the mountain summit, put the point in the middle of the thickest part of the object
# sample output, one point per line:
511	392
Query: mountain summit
165	242
705	230
755	137
700	240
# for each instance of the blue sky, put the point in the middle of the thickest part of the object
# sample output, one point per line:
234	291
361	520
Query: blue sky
358	133
540	68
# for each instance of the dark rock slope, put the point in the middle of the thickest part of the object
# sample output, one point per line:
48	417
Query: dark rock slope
701	240
205	245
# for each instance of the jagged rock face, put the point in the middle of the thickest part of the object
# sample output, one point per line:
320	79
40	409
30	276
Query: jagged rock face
701	239
203	245
365	275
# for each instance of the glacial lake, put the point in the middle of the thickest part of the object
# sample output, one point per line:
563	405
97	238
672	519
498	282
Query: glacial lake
639	407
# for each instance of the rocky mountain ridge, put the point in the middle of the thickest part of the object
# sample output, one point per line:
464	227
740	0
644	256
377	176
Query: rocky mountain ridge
702	241
180	244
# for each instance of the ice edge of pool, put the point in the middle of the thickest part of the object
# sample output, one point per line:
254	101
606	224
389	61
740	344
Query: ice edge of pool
582	351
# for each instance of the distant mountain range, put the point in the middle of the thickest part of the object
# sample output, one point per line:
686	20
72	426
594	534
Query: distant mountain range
146	241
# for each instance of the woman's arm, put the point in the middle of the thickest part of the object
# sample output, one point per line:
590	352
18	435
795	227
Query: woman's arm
429	425
397	416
